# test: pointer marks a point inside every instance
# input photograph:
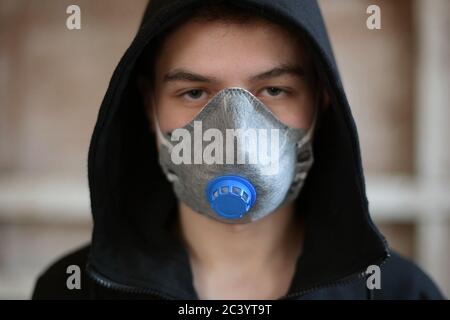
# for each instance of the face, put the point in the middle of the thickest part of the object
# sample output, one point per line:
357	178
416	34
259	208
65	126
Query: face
201	58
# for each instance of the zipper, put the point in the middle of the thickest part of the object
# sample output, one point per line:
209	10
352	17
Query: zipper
113	285
344	281
331	284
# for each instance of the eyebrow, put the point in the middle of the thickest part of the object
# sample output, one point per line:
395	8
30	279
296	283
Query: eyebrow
180	74
284	69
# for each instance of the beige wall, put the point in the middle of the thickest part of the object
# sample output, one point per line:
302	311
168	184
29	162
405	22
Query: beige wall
377	71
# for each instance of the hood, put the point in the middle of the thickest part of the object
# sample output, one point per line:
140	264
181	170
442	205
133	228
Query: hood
133	205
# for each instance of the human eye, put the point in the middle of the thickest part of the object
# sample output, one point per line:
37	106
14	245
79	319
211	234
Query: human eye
193	94
274	91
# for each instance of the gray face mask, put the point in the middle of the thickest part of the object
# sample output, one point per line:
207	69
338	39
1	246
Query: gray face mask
235	161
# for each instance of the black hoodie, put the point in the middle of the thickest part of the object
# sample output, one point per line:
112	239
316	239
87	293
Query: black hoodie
134	255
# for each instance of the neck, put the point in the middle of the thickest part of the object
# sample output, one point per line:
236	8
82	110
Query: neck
216	245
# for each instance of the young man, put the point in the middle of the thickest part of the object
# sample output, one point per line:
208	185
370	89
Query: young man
225	165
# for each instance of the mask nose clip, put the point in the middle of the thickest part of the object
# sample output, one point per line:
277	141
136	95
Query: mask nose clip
230	196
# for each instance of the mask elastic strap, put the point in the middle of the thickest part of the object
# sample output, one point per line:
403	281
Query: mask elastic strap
161	137
310	133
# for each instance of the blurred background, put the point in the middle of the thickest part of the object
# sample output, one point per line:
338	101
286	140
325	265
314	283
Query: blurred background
52	81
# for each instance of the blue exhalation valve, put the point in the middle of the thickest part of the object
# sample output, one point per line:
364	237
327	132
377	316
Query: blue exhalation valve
230	196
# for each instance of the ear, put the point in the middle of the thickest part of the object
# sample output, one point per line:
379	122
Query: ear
325	99
145	89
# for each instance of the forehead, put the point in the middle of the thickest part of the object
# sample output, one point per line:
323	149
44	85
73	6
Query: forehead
208	44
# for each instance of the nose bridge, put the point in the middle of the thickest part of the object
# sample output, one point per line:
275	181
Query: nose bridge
238	100
237	108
